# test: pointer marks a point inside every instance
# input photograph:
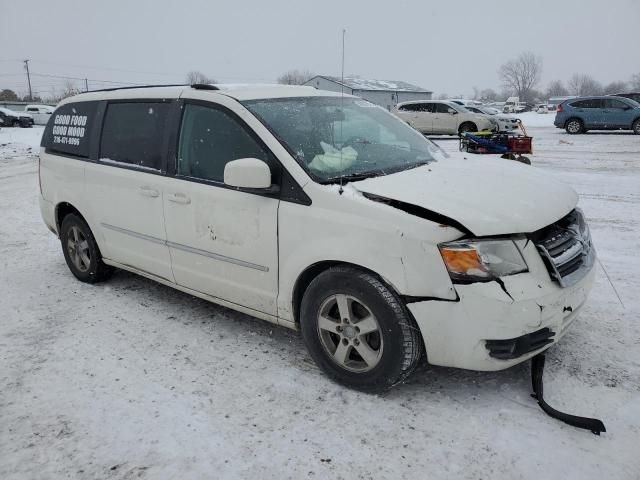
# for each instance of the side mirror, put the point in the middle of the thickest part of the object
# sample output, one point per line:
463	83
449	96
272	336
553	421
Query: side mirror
247	173
452	111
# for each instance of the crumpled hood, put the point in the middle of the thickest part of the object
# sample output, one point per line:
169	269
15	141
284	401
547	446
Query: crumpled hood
488	196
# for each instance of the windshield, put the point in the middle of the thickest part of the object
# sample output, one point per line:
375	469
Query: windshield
334	138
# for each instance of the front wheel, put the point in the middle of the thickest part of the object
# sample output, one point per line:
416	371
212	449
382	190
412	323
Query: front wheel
636	127
358	331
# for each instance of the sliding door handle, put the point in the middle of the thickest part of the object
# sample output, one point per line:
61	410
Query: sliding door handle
179	198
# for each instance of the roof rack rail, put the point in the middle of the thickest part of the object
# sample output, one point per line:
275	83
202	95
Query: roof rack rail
136	86
204	86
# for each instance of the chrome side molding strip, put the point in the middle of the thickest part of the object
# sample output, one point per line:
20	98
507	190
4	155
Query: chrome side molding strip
185	248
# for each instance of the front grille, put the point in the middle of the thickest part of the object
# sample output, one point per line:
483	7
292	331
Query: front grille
516	347
566	248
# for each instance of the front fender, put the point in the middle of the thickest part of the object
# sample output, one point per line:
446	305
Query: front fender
399	247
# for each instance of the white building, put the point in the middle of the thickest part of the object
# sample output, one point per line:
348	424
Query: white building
386	93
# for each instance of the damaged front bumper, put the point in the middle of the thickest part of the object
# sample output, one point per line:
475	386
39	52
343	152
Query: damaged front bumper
496	325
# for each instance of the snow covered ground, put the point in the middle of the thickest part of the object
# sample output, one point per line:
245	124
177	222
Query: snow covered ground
130	379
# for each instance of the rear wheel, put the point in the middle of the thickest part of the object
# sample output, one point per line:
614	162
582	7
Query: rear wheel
574	126
467	127
81	251
636	127
358	331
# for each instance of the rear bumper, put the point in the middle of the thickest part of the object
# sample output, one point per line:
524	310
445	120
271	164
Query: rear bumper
491	328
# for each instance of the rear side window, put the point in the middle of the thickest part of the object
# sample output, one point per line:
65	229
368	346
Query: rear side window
417	107
209	139
69	129
133	134
412	107
590	103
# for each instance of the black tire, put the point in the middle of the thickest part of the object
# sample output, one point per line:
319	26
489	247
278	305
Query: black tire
467	127
15	123
574	126
636	127
400	344
74	232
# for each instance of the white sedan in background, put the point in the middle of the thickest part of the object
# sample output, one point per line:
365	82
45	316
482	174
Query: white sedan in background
506	122
443	117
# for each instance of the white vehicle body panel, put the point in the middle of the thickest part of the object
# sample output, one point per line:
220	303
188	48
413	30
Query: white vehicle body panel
248	251
127	212
488	196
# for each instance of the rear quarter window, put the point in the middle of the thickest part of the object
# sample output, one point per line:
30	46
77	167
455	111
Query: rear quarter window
69	129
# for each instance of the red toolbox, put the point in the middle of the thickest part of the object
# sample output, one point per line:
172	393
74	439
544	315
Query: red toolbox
520	144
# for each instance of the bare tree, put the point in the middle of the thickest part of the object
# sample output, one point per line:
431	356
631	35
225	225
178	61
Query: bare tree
488	95
295	77
635	82
68	90
442	96
196	76
614	87
556	89
8	95
582	84
521	74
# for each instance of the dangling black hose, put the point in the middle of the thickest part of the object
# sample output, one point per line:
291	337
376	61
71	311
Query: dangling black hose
537	369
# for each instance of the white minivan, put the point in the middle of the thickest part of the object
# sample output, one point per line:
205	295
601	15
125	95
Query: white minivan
318	212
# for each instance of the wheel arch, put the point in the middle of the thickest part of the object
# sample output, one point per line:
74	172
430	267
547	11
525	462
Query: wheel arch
468	122
573	117
62	210
312	271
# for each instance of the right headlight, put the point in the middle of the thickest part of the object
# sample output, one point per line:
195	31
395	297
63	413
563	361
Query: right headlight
479	260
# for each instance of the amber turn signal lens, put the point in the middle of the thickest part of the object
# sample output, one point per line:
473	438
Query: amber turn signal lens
459	260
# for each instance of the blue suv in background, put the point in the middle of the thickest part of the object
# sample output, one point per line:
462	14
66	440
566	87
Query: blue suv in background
598	113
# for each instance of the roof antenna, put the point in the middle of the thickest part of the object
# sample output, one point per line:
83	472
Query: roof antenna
344	31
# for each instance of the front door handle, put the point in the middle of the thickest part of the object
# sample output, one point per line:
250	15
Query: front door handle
149	192
179	198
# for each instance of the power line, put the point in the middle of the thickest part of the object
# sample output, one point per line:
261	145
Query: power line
65	77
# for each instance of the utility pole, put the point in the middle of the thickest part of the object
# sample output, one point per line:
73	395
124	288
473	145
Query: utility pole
86	85
26	66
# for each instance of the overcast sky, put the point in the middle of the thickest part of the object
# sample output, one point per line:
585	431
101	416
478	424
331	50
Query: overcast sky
444	46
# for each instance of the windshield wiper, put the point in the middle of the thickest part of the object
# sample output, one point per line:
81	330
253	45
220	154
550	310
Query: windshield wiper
416	165
354	177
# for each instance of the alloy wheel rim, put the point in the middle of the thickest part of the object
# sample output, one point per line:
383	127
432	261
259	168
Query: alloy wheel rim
78	249
574	127
350	333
